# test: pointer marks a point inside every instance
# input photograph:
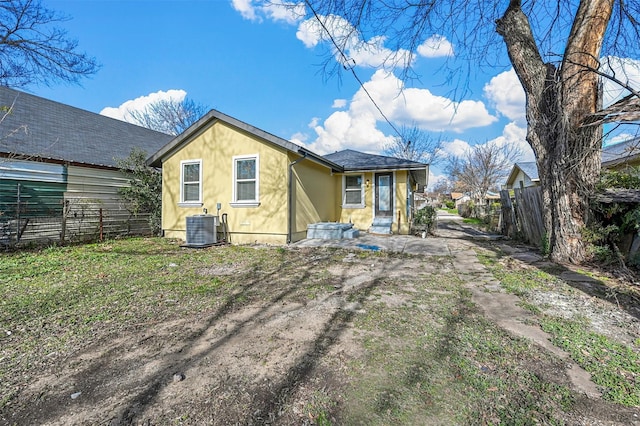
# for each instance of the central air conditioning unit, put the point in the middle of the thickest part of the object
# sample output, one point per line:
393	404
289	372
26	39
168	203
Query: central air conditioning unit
201	230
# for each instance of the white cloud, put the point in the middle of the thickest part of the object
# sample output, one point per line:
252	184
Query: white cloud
246	8
310	33
139	104
505	92
284	11
314	122
436	46
513	134
356	127
339	103
341	130
434	179
279	11
626	70
364	53
373	54
420	107
622	137
456	148
299	138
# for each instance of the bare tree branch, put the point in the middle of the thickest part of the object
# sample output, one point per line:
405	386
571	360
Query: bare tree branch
34	50
482	168
168	116
415	145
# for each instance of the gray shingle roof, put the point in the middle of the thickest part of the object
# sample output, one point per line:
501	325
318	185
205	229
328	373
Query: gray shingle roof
621	152
355	160
530	169
48	130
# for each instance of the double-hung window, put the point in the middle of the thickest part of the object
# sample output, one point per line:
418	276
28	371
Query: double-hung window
246	181
353	191
191	182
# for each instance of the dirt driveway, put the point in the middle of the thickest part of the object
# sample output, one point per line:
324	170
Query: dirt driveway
291	357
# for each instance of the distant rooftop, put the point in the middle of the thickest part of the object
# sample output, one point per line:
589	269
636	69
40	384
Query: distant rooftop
46	130
621	152
530	169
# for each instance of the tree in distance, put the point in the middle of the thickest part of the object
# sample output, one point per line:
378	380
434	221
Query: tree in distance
416	145
168	116
34	50
482	168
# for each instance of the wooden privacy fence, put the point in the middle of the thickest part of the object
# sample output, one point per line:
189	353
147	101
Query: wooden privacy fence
522	216
79	220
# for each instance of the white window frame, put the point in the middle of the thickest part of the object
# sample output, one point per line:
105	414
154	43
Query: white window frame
245	203
360	205
190	203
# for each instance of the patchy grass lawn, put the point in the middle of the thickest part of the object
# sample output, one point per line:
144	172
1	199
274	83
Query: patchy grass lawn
141	330
600	338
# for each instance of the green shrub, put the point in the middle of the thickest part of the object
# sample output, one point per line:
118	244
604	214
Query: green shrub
611	223
426	217
624	178
144	194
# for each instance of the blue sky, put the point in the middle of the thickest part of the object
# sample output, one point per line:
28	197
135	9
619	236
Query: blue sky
262	65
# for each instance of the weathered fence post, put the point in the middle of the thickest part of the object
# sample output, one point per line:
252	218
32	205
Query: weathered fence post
508	227
101	225
18	207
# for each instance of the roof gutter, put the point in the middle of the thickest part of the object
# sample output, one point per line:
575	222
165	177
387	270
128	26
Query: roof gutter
290	197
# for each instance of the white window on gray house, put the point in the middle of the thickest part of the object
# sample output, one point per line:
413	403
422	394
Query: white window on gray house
353	191
246	181
191	182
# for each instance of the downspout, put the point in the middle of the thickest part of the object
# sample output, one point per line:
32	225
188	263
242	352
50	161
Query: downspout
290	200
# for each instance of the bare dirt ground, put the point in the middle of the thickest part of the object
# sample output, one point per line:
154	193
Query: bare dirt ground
265	362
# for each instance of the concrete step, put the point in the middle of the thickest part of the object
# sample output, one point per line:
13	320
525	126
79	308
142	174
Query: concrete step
328	230
385	230
351	233
381	225
382	221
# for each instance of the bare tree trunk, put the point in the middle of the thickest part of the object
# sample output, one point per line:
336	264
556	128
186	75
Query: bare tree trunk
558	99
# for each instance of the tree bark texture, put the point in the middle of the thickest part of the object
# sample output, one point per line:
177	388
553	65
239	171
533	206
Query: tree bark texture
558	98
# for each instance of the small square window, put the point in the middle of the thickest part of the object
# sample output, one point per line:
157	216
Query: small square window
353	194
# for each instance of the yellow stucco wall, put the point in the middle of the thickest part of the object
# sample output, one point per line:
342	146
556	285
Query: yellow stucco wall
362	218
314	195
400	212
216	147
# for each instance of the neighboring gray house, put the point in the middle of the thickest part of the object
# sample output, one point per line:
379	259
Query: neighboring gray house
523	175
621	154
55	157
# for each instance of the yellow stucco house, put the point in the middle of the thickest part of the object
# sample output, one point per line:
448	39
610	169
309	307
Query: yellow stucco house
271	189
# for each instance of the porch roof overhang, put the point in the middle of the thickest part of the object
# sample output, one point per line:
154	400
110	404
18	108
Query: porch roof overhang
421	176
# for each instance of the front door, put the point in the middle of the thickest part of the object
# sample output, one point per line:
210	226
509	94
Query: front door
384	194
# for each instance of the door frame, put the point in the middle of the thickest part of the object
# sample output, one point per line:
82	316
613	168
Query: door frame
392	199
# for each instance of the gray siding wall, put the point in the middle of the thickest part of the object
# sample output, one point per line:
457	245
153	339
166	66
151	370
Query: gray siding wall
62	204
